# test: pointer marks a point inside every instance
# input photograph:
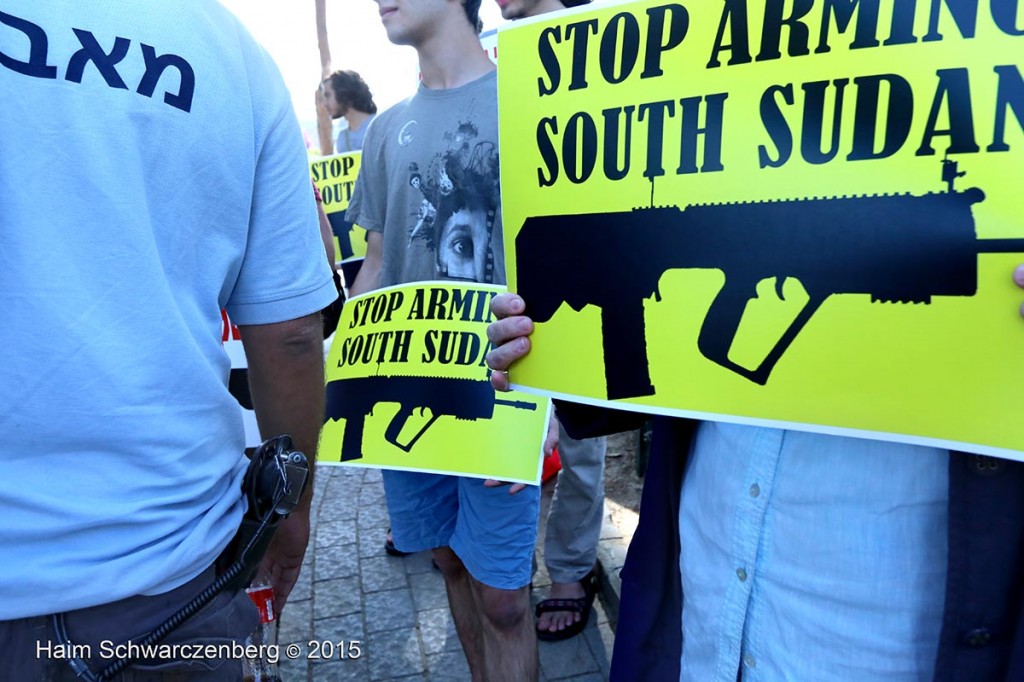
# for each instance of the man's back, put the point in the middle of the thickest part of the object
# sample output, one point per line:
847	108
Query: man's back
150	157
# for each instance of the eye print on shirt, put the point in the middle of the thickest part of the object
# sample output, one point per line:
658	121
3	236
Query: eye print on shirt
463	243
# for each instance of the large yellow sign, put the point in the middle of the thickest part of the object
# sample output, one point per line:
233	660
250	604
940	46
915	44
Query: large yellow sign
802	215
335	177
407	388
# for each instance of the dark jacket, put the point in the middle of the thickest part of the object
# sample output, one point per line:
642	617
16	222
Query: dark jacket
982	634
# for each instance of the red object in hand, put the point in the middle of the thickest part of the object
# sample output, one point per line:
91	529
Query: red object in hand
262	596
552	465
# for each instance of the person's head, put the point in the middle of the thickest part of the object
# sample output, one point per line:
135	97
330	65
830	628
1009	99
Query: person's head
344	90
411	22
519	9
472	9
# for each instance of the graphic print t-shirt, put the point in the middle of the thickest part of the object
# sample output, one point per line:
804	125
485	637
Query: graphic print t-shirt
429	183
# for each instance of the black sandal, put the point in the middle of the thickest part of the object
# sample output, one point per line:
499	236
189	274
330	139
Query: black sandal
582	605
389	547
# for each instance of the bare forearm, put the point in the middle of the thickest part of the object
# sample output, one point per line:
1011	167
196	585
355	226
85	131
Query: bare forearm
326	234
368	278
286	379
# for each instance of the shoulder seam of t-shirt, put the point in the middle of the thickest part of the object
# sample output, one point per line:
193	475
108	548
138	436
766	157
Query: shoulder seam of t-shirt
370	225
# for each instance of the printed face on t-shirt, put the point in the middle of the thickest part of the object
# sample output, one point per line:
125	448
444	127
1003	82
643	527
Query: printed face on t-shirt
462	245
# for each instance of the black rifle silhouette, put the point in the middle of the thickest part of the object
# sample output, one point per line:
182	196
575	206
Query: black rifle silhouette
343	231
354	399
897	248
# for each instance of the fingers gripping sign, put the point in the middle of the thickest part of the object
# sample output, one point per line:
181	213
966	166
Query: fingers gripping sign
1018	277
509	336
513	487
550	443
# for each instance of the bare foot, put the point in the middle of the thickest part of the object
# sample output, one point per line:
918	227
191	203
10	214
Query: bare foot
553	621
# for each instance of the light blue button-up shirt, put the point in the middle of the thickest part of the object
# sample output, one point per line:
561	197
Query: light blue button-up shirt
811	558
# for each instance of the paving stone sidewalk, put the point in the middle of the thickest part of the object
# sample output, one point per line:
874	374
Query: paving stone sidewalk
396	609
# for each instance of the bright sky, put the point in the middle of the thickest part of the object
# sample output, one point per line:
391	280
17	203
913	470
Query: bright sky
358	42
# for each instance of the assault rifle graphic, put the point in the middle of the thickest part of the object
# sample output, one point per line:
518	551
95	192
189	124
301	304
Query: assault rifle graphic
354	399
897	248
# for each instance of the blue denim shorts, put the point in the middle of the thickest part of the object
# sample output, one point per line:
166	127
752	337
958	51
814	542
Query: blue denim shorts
492	532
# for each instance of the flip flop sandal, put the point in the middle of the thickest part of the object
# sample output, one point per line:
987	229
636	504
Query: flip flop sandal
582	605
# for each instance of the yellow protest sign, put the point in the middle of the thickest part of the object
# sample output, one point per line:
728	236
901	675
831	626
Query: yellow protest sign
335	177
407	388
797	215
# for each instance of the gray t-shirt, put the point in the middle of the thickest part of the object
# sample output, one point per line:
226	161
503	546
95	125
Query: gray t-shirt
352	140
429	183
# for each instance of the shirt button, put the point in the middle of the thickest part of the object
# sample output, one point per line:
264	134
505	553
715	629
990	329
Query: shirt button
986	466
755	490
978	638
741	574
749	660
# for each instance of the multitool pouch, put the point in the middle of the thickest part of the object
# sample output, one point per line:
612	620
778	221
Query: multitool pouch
273	485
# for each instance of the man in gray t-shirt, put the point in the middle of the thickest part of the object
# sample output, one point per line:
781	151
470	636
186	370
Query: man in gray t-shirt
346	95
429	185
427	193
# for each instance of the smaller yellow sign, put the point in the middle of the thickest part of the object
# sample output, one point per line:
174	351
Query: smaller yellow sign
335	177
408	388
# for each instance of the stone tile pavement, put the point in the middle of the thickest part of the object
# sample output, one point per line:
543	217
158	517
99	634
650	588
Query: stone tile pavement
352	597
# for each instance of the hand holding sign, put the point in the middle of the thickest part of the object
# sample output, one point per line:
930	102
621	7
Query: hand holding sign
407	388
508	335
1018	277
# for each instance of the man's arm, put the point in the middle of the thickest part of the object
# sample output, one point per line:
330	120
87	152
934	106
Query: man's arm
326	234
286	379
368	278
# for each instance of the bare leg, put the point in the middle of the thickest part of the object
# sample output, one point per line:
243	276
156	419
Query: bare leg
465	612
509	640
